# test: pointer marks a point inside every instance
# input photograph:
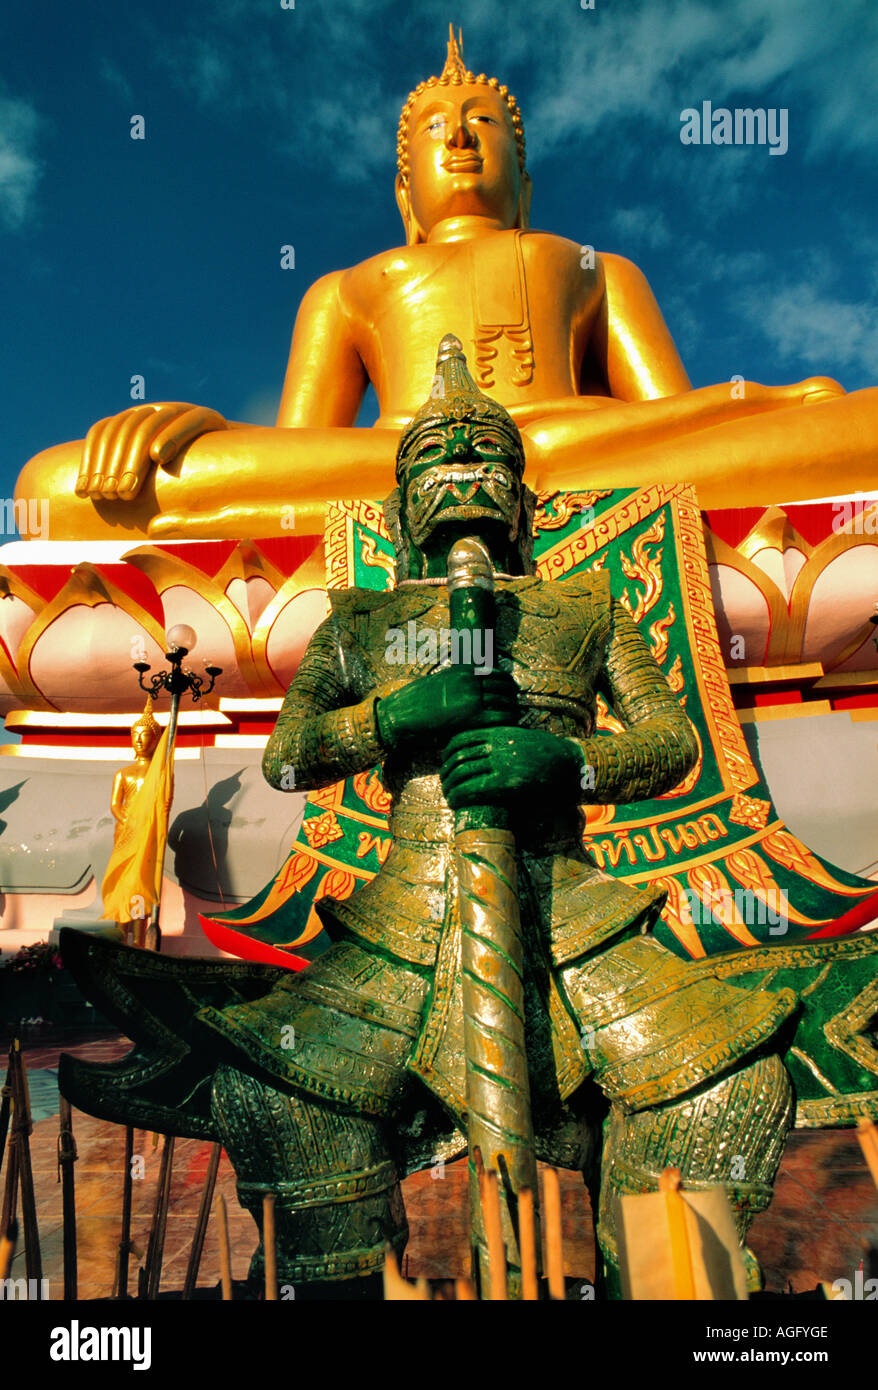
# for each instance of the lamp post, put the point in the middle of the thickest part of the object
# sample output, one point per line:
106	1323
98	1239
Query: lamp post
181	640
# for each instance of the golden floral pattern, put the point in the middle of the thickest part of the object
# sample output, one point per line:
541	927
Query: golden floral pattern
322	830
750	810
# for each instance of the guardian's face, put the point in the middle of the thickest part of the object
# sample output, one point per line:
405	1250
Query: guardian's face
462	471
463	158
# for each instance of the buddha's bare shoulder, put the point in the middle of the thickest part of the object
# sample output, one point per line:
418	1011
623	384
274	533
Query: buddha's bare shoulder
620	273
390	269
567	261
342	291
583	261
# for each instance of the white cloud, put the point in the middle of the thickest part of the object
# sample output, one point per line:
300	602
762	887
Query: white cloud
805	322
638	61
586	74
20	169
115	79
641	226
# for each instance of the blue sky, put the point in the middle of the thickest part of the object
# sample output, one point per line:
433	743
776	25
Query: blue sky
268	126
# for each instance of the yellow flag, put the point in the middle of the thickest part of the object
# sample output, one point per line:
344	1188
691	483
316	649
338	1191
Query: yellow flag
132	883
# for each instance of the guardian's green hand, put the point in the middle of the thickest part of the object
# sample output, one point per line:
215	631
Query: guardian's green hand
511	766
436	707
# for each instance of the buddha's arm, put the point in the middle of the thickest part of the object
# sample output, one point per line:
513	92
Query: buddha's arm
326	380
631	346
658	747
324	386
117	798
322	733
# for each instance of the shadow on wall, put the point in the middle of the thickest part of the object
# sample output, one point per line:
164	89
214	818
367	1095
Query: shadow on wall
199	840
7	796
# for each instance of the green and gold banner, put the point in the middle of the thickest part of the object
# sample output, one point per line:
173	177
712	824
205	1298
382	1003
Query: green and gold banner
734	874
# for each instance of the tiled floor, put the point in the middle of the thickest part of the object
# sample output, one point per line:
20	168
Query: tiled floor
823	1218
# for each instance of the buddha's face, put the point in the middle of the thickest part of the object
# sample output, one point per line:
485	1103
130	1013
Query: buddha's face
462	471
463	159
143	740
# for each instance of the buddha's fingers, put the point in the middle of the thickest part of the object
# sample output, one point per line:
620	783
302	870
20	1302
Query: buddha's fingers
113	435
119	445
128	450
178	433
89	453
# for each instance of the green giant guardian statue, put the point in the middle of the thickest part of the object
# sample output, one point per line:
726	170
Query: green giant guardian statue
327	1086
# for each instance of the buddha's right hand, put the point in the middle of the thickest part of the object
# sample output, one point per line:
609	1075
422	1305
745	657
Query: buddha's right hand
119	451
434	708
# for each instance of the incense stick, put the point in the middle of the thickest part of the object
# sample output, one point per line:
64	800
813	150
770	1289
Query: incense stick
201	1224
269	1247
225	1258
681	1256
22	1127
7	1248
156	1247
397	1288
554	1244
120	1289
527	1246
868	1137
490	1194
67	1156
5	1108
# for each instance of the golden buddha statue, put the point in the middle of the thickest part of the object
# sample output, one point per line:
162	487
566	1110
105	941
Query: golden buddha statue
571	342
129	780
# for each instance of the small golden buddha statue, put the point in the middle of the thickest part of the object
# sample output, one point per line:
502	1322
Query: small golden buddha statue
145	733
571	342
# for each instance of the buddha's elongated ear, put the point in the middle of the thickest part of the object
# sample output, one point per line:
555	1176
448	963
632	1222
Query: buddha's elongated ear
413	233
523	218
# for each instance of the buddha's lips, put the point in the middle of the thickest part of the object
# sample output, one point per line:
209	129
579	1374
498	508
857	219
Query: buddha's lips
463	164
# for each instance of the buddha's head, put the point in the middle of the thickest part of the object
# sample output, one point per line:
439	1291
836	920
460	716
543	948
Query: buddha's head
460	152
459	469
145	732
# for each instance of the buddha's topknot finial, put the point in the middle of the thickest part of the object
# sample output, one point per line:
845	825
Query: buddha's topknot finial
454	74
147	721
454	64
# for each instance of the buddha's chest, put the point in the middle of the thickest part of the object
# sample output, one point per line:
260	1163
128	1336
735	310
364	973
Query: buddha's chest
518	332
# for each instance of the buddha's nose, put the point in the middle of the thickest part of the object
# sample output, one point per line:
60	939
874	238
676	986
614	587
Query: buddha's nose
461	137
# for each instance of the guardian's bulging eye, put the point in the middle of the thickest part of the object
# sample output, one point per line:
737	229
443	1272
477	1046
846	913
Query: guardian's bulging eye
428	451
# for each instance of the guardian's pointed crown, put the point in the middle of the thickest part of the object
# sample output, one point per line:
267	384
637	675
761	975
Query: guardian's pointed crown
455	397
